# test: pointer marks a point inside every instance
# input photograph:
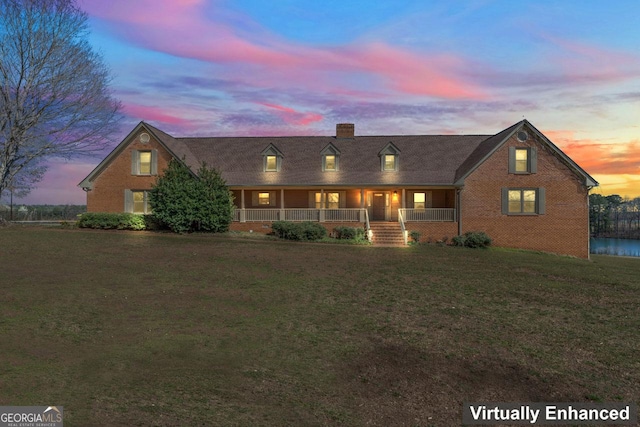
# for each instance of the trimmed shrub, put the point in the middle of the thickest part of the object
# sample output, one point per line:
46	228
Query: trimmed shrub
415	236
472	239
299	230
349	233
112	221
184	202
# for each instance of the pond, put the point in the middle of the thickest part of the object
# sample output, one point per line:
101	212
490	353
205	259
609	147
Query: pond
620	247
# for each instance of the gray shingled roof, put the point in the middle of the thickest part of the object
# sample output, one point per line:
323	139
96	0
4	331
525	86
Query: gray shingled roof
423	160
426	159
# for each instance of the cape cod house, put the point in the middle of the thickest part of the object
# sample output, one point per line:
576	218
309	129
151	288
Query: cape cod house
516	185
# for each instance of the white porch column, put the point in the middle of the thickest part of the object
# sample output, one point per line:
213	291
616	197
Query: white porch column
321	217
362	205
404	198
243	217
282	214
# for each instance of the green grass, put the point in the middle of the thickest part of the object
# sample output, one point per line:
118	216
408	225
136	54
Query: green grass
136	328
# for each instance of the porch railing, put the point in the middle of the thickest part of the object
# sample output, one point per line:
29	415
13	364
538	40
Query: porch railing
428	215
300	214
402	227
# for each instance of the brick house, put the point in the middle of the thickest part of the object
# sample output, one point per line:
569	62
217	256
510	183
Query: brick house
516	185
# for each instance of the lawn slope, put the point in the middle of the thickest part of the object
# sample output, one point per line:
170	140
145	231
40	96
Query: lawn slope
126	328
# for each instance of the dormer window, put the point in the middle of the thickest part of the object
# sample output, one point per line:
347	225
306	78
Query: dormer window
389	157
272	164
330	158
272	159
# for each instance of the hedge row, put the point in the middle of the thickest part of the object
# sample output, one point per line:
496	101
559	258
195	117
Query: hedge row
299	230
117	221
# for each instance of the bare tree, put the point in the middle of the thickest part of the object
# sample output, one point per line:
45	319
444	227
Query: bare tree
54	94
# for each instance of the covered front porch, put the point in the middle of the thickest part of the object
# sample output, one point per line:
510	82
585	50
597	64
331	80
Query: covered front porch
344	205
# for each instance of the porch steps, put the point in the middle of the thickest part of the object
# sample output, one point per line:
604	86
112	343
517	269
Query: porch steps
387	234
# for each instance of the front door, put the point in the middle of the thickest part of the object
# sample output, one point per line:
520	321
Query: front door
378	207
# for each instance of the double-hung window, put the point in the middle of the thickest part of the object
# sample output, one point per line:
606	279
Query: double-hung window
137	201
523	160
523	201
144	162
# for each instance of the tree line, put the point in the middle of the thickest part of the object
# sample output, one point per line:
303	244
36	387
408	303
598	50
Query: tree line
614	216
41	212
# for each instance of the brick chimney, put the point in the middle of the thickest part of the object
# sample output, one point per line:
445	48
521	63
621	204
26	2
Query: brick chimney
345	130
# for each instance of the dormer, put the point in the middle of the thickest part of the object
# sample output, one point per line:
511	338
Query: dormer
330	158
272	159
389	158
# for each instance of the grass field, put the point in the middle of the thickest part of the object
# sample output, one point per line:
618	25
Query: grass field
134	328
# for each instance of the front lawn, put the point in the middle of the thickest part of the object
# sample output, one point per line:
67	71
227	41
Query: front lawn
137	328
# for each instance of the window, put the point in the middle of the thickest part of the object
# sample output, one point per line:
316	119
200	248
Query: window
264	199
389	157
389	162
332	200
272	159
272	164
422	200
330	158
330	162
522	164
144	162
137	201
523	201
523	160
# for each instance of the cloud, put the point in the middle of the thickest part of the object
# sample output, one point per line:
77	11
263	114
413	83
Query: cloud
156	114
187	29
597	157
293	117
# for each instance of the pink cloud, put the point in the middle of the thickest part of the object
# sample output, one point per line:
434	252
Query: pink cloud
181	28
146	113
293	117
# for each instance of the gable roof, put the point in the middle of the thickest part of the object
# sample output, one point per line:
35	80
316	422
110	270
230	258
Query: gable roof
487	147
427	160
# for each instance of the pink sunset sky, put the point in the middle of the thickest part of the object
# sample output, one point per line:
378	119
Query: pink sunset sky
247	67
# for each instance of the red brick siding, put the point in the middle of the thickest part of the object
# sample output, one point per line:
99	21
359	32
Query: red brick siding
265	227
564	227
433	231
107	194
